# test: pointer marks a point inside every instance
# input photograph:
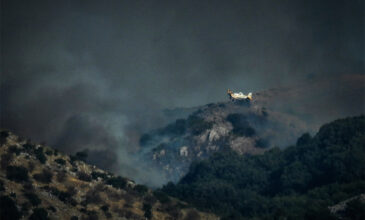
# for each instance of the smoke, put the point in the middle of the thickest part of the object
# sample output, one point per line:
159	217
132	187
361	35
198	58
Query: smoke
85	75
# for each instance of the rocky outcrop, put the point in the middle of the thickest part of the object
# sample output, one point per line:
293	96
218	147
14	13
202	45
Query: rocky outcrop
246	129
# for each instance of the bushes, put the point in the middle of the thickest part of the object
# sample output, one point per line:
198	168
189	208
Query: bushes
39	214
61	176
299	182
3	136
40	155
17	173
147	210
44	177
14	149
197	125
6	159
92	197
84	176
141	189
240	125
161	196
33	199
81	155
8	209
95	175
117	182
355	209
60	161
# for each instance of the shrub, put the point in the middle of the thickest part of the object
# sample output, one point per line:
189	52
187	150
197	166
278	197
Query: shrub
3	136
60	161
61	176
31	166
33	199
192	215
95	175
198	125
52	209
28	147
240	125
14	149
104	208
92	197
39	214
17	173
355	209
161	196
8	209
147	210
150	199
74	218
40	155
28	187
44	177
2	188
84	176
117	182
92	215
141	189
49	152
81	155
6	159
262	143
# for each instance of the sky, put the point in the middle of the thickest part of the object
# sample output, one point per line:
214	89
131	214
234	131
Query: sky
96	74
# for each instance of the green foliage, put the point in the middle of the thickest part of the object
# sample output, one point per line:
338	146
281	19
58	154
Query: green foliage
81	155
117	182
14	149
2	188
95	175
161	196
60	161
198	125
39	214
241	127
141	189
40	155
17	173
84	176
3	136
147	210
49	152
355	210
44	177
299	182
33	199
8	209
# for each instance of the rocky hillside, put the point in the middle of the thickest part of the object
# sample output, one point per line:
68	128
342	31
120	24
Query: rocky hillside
246	127
37	182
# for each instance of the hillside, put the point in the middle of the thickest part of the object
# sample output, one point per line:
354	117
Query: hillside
246	128
298	182
37	182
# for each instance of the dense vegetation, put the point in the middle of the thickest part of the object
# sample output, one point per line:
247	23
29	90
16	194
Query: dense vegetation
299	182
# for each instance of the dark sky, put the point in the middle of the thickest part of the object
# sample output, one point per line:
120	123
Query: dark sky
79	73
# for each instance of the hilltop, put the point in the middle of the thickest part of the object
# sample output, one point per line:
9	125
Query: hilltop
244	127
38	182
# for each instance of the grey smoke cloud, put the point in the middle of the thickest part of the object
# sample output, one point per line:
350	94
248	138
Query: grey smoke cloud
86	74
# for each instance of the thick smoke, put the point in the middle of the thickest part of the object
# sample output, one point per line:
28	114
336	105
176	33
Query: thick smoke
90	75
